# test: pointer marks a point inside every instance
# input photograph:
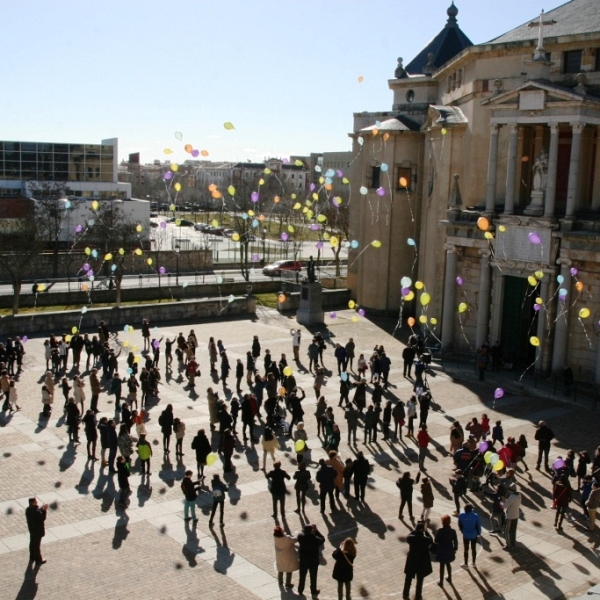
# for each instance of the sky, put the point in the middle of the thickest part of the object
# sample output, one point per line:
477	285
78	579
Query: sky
285	74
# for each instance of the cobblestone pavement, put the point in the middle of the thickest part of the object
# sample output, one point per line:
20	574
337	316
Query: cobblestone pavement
95	549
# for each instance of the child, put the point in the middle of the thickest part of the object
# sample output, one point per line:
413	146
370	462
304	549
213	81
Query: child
459	488
582	463
144	450
485	426
498	433
348	469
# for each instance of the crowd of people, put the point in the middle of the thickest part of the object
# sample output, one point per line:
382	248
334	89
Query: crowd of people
268	409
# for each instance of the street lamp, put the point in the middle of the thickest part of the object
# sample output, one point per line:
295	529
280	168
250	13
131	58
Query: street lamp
177	265
264	235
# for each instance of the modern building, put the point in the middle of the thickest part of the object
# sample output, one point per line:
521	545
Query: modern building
86	170
483	183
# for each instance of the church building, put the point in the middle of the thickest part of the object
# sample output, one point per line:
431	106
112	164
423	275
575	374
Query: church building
478	214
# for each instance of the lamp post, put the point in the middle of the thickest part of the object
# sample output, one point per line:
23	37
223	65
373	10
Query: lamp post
177	264
264	235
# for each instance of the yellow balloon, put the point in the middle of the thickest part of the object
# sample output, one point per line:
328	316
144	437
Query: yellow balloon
172	207
498	466
321	218
67	338
433	321
88	251
294	196
108	256
423	319
168	151
41	287
229	126
74	330
425	299
419	285
178	222
137	359
584	313
121	251
251	213
310	214
149	261
376	244
298	163
462	307
345	181
532	281
126	344
334	241
299	445
174	167
315	196
95	205
534	341
321	180
411	321
214	223
235	237
291	228
501	229
410	296
488	236
444	131
138	251
288	371
539	274
355	319
211	459
539	301
177	187
138	228
231	190
351	304
267	171
297	206
261	182
326	235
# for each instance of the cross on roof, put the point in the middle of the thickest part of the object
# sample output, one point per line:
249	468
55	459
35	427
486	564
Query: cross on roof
540	53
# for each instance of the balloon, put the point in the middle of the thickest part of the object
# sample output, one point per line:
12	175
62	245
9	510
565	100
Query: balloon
363	190
433	321
285	237
560	279
459	280
351	304
78	228
411	321
355	319
361	312
129	371
235	237
494	459
254	196
584	313
384	167
498	466
425	299
174	167
281	298
88	251
498	393
410	296
539	301
177	187
483	446
74	330
168	175
211	459
137	359
162	270
406	282
539	274
419	285
84	287
84	309
299	445
360	140
195	153
502	229
354	244
487	456
562	293
534	238
405	291
288	371
488	236
332	315
228	125
344	376
126	328
163	224
95	205
483	223
423	319
149	261
574	271
282	391
558	464
94	253
534	341
230	298
138	252
86	267
537	307
403	182
462	307
91	277
178	135
68	338
155	344
532	281
579	286
444	131
178	222
411	242
380	191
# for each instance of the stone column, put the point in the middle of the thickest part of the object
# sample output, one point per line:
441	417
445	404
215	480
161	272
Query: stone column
551	175
574	169
511	170
490	199
449	305
483	299
561	328
497	305
541	324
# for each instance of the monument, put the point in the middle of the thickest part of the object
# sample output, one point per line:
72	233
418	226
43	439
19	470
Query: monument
540	172
311	298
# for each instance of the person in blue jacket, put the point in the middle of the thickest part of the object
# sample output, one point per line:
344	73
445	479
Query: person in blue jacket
470	526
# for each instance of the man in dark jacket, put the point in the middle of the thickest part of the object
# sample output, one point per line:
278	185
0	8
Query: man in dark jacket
123	479
188	487
309	542
544	436
408	356
278	490
418	561
361	469
326	478
35	522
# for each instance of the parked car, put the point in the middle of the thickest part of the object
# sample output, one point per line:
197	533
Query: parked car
275	269
182	222
228	232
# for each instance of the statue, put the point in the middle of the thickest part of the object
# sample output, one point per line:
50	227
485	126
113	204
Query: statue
310	271
540	168
400	72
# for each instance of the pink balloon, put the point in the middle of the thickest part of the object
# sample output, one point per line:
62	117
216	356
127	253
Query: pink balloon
168	175
254	196
380	191
284	236
498	393
162	270
535	238
255	258
459	280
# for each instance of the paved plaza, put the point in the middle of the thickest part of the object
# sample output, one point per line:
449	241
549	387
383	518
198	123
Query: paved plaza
96	550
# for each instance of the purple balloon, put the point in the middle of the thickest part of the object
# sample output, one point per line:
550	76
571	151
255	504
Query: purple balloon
162	270
168	175
254	196
24	338
86	267
163	224
498	393
483	446
535	238
285	236
255	258
361	312
90	273
315	227
537	307
333	315
459	280
195	153
79	229
380	191
312	187
339	173
405	291
574	271
319	245
155	344
558	464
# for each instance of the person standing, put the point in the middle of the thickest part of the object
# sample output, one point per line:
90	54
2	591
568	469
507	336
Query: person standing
427	497
36	515
286	556
225	368
544	436
95	387
202	447
411	413
418	560
351	416
91	434
512	506
296	339
423	440
406	485
446	542
239	375
470	526
313	355
166	426
112	442
360	469
144	450
592	504
278	490
302	477
343	569
123	471
326	479
408	357
73	416
179	429
189	487
370	423
218	492
269	444
350	349
309	542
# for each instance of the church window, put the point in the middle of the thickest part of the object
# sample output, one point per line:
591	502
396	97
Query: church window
410	95
572	61
403	178
375	177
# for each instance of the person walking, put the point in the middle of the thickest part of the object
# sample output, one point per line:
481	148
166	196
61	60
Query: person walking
406	485
302	477
561	496
544	436
269	444
309	543
189	487
512	506
326	479
202	447
36	515
369	424
286	556
470	526
418	560
219	490
360	469
427	498
296	339
278	490
411	413
399	416
350	350
458	483
112	442
446	542
343	569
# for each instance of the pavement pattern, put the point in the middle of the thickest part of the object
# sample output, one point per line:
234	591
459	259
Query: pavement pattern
96	549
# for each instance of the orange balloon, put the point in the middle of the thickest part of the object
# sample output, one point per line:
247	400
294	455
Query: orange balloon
411	321
212	187
188	148
281	298
403	182
579	286
204	152
483	223
216	194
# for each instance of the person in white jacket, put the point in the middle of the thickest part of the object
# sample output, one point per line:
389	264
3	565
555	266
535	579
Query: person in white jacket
512	506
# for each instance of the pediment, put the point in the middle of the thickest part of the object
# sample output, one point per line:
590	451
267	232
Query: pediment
536	95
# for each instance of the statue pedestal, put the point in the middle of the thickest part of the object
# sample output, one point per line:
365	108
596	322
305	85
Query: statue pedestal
311	304
536	206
